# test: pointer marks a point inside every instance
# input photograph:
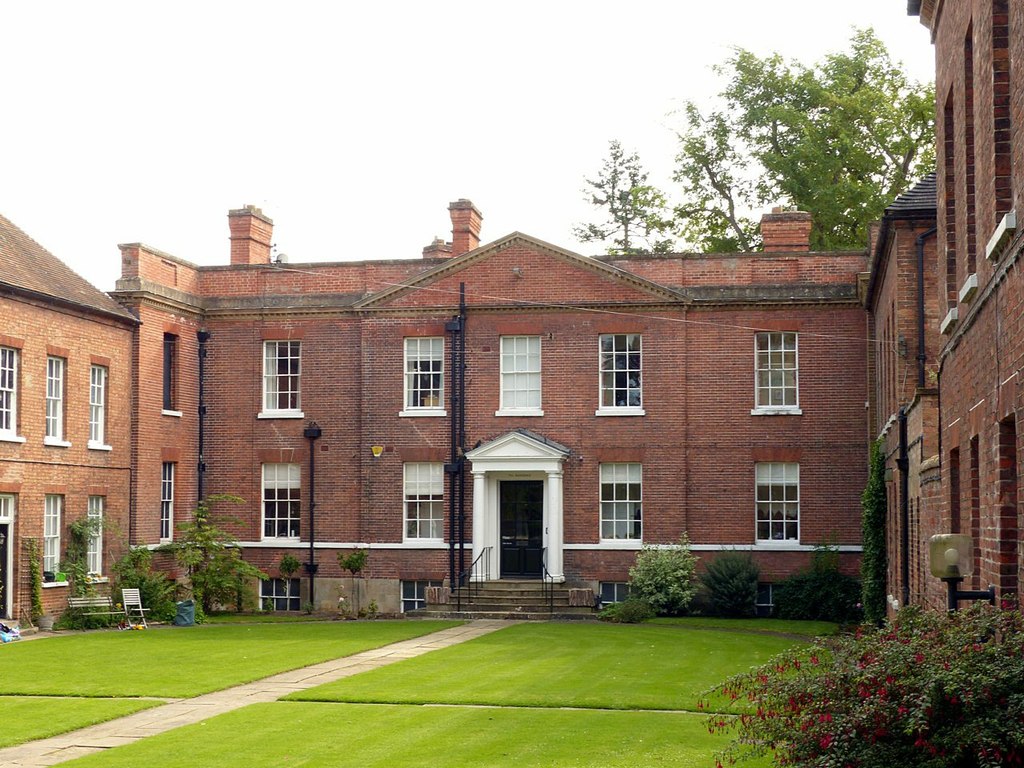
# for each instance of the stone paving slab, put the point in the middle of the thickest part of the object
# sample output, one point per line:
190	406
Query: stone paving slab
178	712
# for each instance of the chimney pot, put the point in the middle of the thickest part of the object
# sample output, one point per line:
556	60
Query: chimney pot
251	235
785	231
466	221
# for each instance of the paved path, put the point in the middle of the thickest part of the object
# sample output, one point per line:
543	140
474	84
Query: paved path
178	712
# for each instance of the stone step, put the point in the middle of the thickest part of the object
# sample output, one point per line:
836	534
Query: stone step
563	615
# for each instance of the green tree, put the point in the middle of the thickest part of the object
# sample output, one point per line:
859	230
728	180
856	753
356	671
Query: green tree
216	572
839	139
873	561
637	218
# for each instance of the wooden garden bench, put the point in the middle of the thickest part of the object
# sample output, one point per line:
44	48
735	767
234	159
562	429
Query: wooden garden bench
94	605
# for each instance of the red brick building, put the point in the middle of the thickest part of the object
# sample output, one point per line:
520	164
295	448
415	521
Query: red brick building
964	474
65	426
606	403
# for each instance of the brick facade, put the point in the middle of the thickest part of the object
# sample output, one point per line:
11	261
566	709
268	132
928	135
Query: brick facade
696	439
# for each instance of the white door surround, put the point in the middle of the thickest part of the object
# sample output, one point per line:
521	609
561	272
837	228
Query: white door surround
517	455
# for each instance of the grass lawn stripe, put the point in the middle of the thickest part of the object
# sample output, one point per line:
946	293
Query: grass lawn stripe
27	718
187	661
298	734
602	666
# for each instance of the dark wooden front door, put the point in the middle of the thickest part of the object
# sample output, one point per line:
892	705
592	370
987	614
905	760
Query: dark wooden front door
522	528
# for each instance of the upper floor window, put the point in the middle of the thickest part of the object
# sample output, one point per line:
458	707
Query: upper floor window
94	515
170	381
97	406
167	501
778	501
281	502
54	401
620	369
775	371
621	501
424	501
8	392
53	511
424	374
520	376
282	369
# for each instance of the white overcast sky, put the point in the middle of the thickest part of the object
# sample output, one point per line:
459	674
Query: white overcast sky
353	125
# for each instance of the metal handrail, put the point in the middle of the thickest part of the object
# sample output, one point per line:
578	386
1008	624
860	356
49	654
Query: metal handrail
480	566
547	581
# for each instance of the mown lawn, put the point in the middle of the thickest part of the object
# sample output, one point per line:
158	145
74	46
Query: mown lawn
286	735
187	661
27	718
605	666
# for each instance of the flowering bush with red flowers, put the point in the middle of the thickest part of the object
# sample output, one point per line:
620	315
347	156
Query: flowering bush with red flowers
929	690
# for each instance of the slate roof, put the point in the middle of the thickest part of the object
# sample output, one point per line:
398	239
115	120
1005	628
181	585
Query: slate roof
919	198
27	267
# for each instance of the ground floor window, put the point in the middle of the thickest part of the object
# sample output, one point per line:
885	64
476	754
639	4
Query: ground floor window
280	594
414	594
765	602
614	592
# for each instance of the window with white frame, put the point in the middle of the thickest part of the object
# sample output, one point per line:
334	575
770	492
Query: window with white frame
614	592
54	400
280	594
94	553
53	512
414	594
97	406
621	501
620	369
282	370
778	501
167	501
520	375
8	392
775	364
424	500
424	373
281	501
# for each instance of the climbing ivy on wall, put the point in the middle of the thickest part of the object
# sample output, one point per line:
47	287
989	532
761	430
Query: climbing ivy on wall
873	563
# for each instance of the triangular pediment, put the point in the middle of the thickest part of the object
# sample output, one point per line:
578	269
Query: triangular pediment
516	271
519	446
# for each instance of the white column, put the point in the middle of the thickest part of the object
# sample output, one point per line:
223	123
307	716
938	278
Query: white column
555	525
480	513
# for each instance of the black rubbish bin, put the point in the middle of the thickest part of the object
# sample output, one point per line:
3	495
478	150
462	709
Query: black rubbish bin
186	615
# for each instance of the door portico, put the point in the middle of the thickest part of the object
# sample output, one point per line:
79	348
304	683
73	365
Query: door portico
517	456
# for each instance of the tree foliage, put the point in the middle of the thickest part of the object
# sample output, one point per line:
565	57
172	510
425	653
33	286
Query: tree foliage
929	690
636	215
873	561
664	577
731	582
840	139
217	574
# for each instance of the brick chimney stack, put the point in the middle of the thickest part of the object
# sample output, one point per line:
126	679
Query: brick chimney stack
786	231
438	249
251	234
466	220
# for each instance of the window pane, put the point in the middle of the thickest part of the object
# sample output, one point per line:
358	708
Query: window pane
777	507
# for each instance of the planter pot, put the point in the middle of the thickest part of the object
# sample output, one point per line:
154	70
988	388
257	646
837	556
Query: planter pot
45	623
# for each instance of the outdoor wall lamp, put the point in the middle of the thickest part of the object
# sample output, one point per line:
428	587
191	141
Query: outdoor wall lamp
950	558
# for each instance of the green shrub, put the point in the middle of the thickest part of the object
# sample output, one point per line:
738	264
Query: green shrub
928	689
663	576
731	582
135	571
873	564
821	593
631	611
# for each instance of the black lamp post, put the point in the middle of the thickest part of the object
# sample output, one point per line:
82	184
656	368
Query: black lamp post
950	557
312	433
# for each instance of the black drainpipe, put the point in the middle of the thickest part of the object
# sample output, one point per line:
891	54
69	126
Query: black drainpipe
312	433
203	337
903	465
455	469
921	357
